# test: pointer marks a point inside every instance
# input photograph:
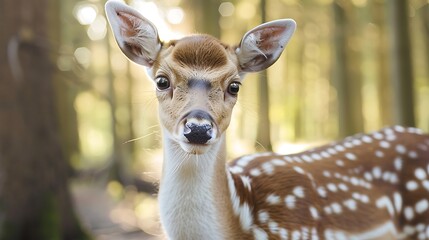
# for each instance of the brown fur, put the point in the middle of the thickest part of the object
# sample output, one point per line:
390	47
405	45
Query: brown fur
199	52
367	215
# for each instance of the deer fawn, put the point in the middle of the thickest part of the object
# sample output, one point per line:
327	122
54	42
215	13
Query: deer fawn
372	186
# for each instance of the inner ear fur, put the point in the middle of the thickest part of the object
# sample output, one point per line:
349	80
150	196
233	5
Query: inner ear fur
136	36
263	45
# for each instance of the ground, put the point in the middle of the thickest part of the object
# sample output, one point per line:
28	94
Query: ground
122	219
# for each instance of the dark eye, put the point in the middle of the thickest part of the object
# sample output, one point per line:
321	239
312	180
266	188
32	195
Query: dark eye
162	83
233	88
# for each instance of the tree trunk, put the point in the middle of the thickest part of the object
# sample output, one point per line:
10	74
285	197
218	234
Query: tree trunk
346	77
424	16
383	84
263	136
35	202
206	16
401	68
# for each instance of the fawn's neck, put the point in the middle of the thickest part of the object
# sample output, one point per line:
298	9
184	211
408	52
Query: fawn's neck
194	197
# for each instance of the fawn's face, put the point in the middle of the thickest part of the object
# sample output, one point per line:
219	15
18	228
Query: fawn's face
197	82
197	78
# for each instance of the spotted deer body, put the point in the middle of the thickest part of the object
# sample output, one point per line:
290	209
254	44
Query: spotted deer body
373	186
367	187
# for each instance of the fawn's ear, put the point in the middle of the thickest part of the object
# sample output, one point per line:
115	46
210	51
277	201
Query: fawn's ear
263	45
136	36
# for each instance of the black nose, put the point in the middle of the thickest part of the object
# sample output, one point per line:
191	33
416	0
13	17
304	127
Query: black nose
198	134
198	127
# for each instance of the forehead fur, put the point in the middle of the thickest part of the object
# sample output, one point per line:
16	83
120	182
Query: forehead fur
200	51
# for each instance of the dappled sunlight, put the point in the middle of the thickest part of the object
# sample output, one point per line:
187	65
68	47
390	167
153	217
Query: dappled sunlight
94	130
77	111
153	13
136	210
117	109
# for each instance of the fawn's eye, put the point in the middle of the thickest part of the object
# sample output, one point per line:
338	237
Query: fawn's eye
233	88
162	83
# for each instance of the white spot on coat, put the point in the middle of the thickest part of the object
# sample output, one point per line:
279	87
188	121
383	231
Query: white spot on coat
283	234
339	148
274	227
331	187
255	172
367	176
299	170
397	200
420	174
236	169
400	149
316	156
384	144
296	235
399	128
367	139
339	163
290	201
268	168
411	185
343	187
350	156
298	191
376	172
263	216
259	234
322	192
379	154
412	154
314	235
246	217
314	213
378	136
350	204
408	213
398	163
384	202
278	162
425	184
336	208
246	182
331	151
422	206
273	199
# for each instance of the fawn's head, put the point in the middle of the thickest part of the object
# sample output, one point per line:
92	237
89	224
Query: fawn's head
198	77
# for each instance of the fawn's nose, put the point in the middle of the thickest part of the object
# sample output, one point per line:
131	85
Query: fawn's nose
198	127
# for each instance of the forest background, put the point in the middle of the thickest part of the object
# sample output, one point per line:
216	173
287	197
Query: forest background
80	151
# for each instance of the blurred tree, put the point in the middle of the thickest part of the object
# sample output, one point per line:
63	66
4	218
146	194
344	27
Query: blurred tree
401	72
118	169
424	16
299	106
206	16
346	76
263	136
35	201
384	88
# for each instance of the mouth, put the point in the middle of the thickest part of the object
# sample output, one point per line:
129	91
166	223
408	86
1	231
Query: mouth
195	149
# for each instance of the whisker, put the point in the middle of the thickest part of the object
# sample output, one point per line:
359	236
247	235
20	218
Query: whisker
139	138
150	127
